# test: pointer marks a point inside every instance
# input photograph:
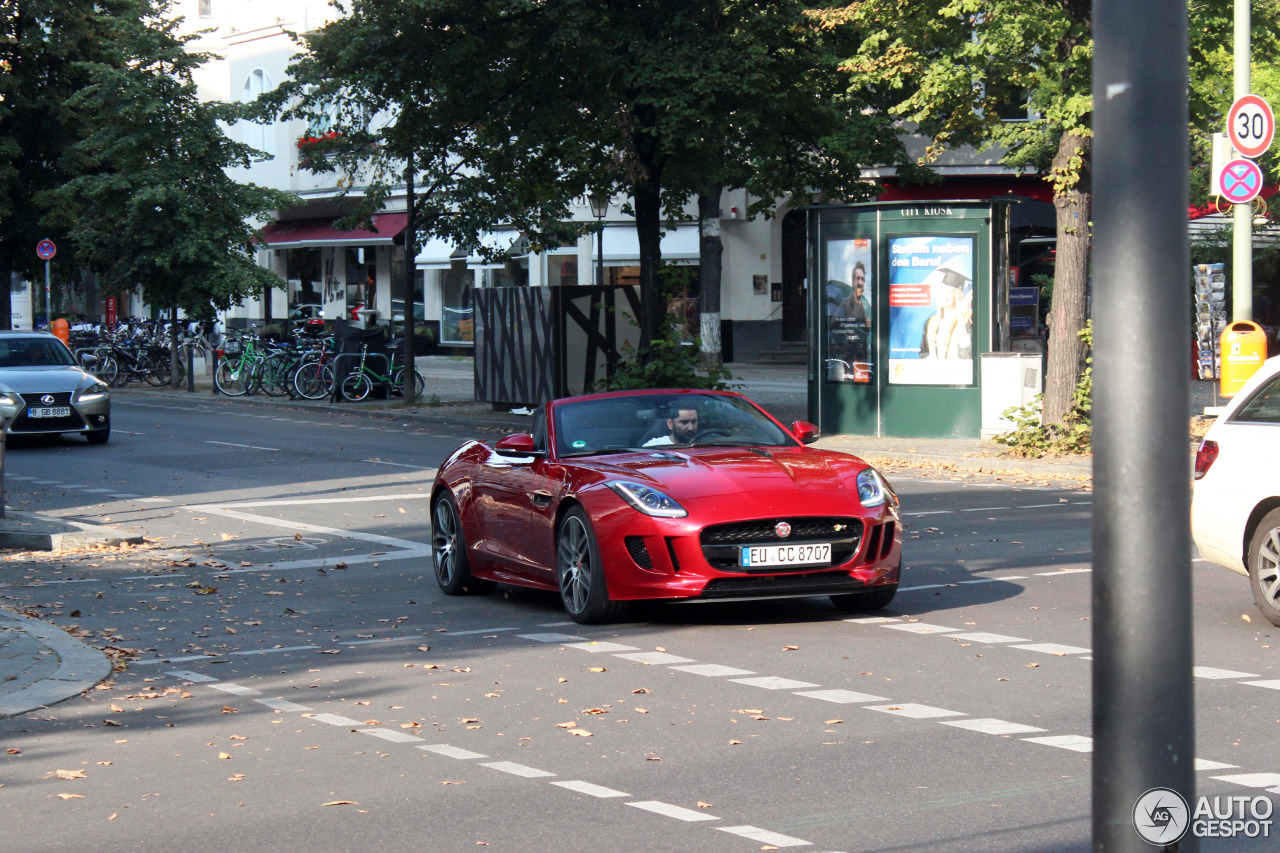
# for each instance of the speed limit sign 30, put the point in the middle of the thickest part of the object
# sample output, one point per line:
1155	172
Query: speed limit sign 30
1251	126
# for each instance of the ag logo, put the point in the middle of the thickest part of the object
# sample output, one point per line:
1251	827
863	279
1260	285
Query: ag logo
1160	816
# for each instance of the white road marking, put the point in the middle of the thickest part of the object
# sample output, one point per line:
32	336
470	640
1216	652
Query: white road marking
399	465
517	769
555	624
668	810
335	720
479	631
154	501
764	836
451	751
980	580
182	659
914	711
1206	764
1251	780
713	670
377	642
331	562
655	658
596	646
1211	672
1075	743
1271	684
844	697
772	682
989	509
244	446
123	495
185	675
921	628
873	620
1054	649
236	689
283	705
91	491
921	586
1061	572
549	638
273	651
391	735
590	789
46	482
982	637
993	727
225	510
354	499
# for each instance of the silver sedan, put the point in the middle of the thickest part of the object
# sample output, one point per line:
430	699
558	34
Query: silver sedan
43	392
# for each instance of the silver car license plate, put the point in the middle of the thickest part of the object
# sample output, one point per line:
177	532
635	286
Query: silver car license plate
50	412
786	555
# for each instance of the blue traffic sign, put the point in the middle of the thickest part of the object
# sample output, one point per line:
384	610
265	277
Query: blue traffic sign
46	250
1240	182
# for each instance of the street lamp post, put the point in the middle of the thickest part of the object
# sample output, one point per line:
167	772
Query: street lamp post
599	209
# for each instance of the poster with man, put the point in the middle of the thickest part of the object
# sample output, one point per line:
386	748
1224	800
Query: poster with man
850	318
931	310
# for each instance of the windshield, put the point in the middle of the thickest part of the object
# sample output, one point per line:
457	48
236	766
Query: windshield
621	424
34	352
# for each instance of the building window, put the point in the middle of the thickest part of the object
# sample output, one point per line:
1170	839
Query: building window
258	136
206	8
457	323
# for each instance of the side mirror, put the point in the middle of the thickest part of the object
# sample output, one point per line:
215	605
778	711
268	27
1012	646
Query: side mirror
520	444
805	432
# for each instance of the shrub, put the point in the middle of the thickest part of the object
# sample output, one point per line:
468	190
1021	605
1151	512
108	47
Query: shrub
1073	436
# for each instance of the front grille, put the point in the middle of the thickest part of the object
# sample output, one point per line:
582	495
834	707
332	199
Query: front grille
62	398
823	583
636	548
722	543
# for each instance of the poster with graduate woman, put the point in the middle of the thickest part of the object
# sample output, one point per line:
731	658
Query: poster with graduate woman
931	310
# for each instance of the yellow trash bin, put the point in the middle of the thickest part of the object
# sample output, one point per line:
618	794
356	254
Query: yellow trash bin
1244	348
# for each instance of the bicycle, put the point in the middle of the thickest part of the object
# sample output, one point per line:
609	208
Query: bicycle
313	377
358	385
237	373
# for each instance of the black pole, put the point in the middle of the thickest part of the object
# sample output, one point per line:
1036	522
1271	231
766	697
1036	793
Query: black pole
600	254
1143	713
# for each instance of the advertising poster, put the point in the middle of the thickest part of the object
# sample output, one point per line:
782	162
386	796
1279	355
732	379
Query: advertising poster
931	310
850	317
20	307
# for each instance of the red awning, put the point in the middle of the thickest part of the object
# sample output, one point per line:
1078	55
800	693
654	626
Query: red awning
314	233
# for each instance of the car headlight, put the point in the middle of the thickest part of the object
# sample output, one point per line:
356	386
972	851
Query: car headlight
872	490
96	391
9	399
648	500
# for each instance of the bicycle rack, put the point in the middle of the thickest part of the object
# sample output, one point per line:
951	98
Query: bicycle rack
339	374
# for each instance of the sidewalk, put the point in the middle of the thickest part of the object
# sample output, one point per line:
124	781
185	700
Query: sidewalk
41	665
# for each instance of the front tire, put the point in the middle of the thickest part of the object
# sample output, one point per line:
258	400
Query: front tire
356	387
98	436
580	573
876	598
230	378
449	551
1264	566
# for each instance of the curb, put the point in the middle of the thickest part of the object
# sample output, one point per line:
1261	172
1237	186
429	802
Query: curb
43	533
80	667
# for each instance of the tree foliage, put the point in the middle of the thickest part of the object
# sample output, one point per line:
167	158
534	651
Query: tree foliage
151	204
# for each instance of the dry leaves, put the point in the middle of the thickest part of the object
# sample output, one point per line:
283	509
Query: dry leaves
340	803
69	774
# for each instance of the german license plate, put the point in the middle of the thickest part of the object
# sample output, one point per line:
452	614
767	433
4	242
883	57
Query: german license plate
50	412
786	555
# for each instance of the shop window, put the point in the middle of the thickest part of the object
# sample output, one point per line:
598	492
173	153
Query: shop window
457	322
361	280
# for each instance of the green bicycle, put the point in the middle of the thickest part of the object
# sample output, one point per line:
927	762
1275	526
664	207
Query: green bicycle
359	384
238	370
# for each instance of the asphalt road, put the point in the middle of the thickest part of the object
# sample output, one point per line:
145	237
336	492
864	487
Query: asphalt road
297	682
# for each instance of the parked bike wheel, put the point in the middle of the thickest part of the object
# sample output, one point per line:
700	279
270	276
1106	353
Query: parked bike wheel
356	387
158	372
231	378
106	369
313	381
277	375
397	384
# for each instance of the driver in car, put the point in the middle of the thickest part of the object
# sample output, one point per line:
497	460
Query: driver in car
683	427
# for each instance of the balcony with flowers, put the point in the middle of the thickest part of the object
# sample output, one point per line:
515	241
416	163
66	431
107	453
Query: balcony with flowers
314	151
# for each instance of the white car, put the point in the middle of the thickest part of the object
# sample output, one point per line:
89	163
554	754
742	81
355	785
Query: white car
1235	510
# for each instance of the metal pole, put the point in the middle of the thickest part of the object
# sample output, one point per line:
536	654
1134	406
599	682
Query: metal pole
48	311
1241	214
1143	713
4	429
600	256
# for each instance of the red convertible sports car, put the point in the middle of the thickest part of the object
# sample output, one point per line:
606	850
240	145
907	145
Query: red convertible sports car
675	495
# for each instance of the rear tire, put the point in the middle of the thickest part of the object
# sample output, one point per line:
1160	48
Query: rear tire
873	599
449	552
1264	566
580	573
313	382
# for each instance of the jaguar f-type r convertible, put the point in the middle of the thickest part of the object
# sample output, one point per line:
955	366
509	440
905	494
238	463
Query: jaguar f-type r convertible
688	496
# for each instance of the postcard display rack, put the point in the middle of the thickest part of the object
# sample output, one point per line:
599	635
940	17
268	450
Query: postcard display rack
1211	316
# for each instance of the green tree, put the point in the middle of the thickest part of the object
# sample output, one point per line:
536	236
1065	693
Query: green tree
151	204
46	50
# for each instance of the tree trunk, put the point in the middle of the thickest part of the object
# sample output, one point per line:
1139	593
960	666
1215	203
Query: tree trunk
653	303
1067	312
410	269
175	368
710	255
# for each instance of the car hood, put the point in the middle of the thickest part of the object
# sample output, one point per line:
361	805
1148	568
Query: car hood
54	378
712	473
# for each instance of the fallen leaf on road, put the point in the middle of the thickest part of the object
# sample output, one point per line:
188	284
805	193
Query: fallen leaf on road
297	537
703	805
790	648
580	732
13	750
71	796
833	722
239	777
598	669
69	774
453	783
567	725
561	680
224	755
734	742
641	690
1031	664
340	803
749	711
595	711
331	652
227	709
660	648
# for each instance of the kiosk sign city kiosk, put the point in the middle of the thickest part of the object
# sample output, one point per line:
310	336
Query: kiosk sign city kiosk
904	309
